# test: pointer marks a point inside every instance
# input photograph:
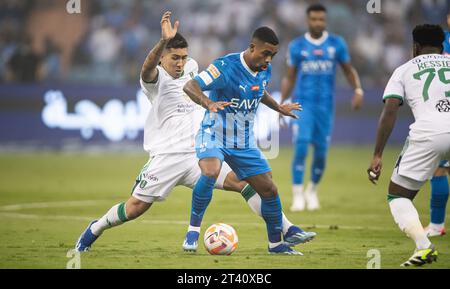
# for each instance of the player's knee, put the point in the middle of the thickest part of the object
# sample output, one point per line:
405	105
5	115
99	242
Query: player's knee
135	208
440	172
269	191
212	173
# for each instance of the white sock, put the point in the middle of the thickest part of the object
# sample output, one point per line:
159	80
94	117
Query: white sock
114	217
195	229
437	227
286	224
297	191
407	218
311	188
255	204
273	245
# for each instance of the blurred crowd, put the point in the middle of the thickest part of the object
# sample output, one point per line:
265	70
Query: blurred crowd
118	34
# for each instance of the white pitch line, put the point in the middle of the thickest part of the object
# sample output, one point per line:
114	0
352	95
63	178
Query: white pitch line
44	205
169	222
7	212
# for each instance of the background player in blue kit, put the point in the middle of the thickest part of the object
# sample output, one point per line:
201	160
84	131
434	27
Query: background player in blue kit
237	84
439	182
311	70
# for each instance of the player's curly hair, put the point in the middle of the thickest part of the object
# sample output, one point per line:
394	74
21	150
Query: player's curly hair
428	35
317	7
178	41
266	34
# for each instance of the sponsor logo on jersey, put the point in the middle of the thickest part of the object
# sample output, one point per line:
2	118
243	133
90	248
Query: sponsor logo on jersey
317	66
255	87
215	73
443	105
331	52
318	52
246	104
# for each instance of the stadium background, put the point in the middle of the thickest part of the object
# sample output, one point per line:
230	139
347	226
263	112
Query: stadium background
69	83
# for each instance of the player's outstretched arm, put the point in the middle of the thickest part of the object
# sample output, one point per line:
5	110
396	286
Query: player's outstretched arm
149	73
193	90
385	126
284	109
287	83
353	78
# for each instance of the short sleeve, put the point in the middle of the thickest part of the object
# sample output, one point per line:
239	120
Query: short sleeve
150	89
343	55
293	55
395	87
214	77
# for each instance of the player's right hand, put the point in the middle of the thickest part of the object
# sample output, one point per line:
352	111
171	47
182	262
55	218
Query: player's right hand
167	31
218	105
374	170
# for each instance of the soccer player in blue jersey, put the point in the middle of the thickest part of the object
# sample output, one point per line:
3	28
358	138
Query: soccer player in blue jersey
439	182
311	70
237	84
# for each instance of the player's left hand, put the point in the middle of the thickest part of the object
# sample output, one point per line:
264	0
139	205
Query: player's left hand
287	108
374	170
357	100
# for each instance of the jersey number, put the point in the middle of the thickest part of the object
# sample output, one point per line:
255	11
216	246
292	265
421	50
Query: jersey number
431	75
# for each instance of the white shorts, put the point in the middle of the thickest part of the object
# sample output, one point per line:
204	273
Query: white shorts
163	172
419	160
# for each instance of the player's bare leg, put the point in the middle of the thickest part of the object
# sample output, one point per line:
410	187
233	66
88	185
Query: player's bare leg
292	234
117	215
407	218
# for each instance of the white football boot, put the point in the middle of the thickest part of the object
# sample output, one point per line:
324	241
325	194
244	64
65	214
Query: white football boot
433	230
298	201
312	201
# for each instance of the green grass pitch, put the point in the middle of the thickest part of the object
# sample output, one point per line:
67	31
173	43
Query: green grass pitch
47	200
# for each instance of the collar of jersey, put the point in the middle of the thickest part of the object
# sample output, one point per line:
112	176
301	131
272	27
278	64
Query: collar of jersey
318	41
246	66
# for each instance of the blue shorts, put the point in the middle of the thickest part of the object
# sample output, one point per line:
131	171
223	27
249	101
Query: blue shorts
444	164
314	125
244	162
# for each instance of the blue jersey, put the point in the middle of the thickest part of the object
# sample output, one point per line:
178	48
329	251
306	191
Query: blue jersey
316	61
447	43
230	79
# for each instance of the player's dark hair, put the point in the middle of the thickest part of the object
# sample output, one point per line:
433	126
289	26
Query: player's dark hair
266	34
429	35
316	7
177	41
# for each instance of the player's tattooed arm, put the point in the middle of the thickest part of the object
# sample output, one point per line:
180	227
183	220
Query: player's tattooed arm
287	83
353	78
149	73
284	109
385	127
193	90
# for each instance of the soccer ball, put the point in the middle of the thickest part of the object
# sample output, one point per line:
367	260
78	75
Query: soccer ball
220	239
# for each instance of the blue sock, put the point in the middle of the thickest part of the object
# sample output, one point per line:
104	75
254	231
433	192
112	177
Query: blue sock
318	164
201	196
298	163
439	197
271	212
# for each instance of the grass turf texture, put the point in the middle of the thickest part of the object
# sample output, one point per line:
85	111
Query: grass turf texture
66	191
